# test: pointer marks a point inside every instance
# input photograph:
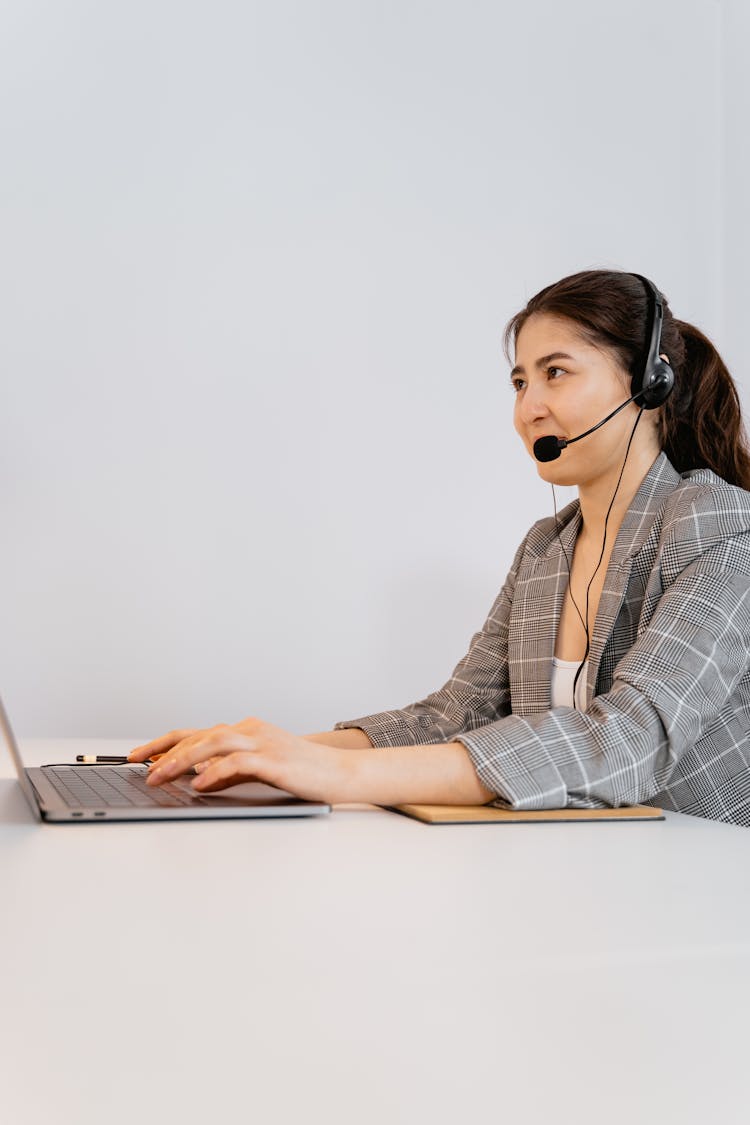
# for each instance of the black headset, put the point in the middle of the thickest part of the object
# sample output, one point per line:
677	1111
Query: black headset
656	381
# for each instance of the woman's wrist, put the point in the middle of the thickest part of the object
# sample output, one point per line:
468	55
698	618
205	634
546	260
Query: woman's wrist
350	738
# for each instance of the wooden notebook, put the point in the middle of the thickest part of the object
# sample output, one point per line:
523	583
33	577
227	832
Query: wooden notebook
486	814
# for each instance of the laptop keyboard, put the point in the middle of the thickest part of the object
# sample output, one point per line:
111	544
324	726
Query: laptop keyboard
96	787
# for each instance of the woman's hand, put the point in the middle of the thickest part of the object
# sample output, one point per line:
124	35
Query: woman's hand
159	746
251	751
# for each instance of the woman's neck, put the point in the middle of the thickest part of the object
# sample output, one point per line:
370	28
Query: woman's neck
596	495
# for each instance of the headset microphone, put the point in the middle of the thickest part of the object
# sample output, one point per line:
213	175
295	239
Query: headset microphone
549	447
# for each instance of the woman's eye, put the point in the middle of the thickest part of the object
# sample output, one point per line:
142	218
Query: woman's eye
519	384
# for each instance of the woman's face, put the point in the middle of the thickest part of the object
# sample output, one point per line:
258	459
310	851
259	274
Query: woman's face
565	394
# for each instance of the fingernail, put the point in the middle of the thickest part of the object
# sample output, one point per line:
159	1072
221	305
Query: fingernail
154	775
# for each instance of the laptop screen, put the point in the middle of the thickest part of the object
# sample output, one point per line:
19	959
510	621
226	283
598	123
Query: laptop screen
10	742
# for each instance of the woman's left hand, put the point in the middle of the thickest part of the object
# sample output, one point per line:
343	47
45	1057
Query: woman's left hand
256	751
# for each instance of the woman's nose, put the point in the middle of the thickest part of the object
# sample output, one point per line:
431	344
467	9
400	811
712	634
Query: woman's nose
532	404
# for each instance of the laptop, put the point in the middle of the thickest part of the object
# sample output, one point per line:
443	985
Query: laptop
73	794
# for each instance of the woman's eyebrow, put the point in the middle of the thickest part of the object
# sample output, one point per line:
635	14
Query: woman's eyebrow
518	370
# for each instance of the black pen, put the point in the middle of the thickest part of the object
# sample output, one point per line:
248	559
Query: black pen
103	760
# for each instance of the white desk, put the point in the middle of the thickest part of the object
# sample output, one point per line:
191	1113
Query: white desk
363	967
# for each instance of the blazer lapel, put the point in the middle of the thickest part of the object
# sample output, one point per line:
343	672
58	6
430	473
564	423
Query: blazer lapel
660	480
610	604
537	605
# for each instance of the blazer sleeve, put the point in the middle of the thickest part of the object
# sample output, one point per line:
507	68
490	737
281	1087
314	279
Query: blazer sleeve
667	691
477	692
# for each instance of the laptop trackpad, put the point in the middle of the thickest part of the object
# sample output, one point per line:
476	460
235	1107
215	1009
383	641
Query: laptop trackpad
247	793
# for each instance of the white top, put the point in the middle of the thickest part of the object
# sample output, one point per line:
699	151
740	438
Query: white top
563	676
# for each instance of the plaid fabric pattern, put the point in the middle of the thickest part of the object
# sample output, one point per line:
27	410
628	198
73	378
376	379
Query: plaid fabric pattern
668	688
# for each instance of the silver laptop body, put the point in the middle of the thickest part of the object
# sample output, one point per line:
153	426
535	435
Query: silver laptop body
83	794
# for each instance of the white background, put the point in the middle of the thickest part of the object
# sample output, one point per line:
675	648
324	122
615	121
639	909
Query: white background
256	451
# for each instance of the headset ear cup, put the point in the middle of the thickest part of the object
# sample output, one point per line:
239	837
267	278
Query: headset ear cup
659	387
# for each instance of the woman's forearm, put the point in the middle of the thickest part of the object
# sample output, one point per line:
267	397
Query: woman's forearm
350	738
440	774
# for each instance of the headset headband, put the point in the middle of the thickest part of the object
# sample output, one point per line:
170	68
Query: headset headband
657	377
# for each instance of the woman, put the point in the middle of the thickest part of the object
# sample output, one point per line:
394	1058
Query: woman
614	665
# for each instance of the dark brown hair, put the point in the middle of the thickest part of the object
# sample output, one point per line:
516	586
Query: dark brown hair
700	424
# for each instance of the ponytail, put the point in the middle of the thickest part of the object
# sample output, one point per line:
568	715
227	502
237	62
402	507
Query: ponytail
700	424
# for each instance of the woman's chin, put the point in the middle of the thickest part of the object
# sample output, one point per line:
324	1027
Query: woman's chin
560	470
557	472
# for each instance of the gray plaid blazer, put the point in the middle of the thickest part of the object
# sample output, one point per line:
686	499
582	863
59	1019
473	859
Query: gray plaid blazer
667	720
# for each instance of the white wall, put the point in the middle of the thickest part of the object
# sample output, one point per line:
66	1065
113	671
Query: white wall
734	173
256	259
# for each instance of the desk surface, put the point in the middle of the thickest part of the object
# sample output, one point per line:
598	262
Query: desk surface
364	967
